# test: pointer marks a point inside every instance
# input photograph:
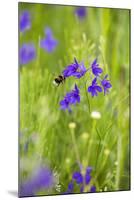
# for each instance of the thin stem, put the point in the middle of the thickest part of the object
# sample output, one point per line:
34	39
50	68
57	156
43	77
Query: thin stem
119	153
75	146
89	107
38	52
90	141
98	147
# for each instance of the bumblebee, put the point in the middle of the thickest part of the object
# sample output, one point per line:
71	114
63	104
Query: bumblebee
60	79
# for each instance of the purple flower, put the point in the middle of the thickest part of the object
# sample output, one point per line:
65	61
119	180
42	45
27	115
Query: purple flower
72	97
95	68
43	178
27	53
70	188
75	69
49	43
87	178
88	170
81	188
94	88
65	104
92	189
77	176
81	12
83	180
88	175
25	21
106	84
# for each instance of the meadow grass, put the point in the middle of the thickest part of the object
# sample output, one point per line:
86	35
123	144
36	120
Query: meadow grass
103	144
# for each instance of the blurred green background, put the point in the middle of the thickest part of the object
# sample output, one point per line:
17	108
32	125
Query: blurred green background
103	144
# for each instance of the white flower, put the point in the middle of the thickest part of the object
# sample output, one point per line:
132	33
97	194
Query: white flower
95	115
72	125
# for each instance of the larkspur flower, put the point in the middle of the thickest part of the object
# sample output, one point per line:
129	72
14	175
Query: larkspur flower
72	97
106	84
27	53
96	70
77	176
70	188
42	178
49	43
65	104
25	21
82	180
94	88
92	189
87	178
81	12
75	69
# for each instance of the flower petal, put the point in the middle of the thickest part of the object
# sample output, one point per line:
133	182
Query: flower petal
98	88
77	176
94	81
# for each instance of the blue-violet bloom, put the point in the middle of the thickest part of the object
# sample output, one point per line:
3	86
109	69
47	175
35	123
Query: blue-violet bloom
49	43
77	176
94	88
27	53
25	21
96	70
106	84
81	12
42	178
65	104
75	69
83	180
72	97
92	189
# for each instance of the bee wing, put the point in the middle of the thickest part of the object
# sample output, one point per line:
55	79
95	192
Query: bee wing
54	83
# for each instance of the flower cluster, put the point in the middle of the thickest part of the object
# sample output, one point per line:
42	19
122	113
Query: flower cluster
83	180
72	97
27	51
78	70
75	69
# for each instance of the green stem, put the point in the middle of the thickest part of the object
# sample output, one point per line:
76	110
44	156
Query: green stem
90	141
75	146
89	107
119	153
98	148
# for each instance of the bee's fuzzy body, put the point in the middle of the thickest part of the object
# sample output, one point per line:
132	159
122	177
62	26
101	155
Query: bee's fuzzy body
58	80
